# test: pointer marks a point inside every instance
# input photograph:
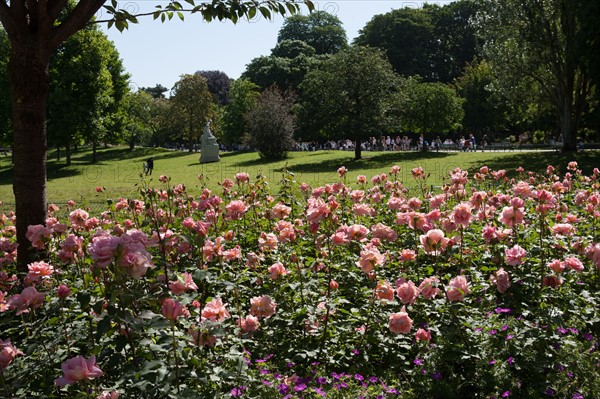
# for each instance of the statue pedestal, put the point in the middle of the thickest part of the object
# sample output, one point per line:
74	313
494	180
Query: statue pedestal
210	153
209	147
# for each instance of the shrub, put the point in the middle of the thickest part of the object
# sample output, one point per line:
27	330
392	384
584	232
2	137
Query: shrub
487	289
270	124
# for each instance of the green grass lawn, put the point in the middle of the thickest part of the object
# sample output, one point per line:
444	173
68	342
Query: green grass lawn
119	170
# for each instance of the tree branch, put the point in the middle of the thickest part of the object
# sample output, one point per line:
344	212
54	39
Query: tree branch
55	7
7	18
77	19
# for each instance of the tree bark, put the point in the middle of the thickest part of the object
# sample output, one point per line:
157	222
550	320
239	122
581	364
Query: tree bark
29	83
68	153
94	155
357	149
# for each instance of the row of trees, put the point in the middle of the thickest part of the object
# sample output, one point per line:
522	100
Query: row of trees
438	69
518	65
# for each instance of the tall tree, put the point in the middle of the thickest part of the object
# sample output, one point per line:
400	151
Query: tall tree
242	96
218	85
537	40
137	108
407	37
430	107
35	31
5	103
271	124
349	96
157	91
484	107
191	106
87	81
320	30
457	42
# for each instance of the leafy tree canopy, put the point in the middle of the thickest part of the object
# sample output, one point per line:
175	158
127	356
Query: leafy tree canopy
320	30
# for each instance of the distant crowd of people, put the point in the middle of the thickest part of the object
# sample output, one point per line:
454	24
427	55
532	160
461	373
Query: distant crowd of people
397	143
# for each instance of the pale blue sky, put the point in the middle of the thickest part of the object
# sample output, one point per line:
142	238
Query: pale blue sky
155	52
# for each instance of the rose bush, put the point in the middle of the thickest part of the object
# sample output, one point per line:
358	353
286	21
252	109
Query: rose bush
485	288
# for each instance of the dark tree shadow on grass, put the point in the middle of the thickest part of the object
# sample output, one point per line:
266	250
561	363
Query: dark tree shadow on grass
367	162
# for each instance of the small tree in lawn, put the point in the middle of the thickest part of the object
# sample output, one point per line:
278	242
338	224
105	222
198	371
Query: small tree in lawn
271	124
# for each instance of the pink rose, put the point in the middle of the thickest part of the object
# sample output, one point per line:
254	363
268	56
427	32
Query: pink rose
215	310
369	258
184	282
8	352
515	256
236	209
172	310
400	323
461	215
262	306
37	234
457	289
249	324
574	264
384	291
63	291
78	369
434	241
38	271
28	299
423	335
277	269
428	288
103	249
407	292
502	280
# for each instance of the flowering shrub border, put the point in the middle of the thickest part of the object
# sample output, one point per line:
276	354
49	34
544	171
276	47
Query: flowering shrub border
486	288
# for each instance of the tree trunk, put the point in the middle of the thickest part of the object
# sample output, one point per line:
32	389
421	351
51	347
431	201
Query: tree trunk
68	154
568	129
58	153
357	149
94	155
29	83
131	145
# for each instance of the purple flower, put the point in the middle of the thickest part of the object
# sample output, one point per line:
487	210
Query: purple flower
436	376
300	387
588	336
577	395
509	336
392	390
235	392
562	330
492	362
549	392
321	380
267	383
502	310
359	377
373	380
418	361
355	352
504	327
574	330
505	394
492	332
283	388
320	392
510	360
